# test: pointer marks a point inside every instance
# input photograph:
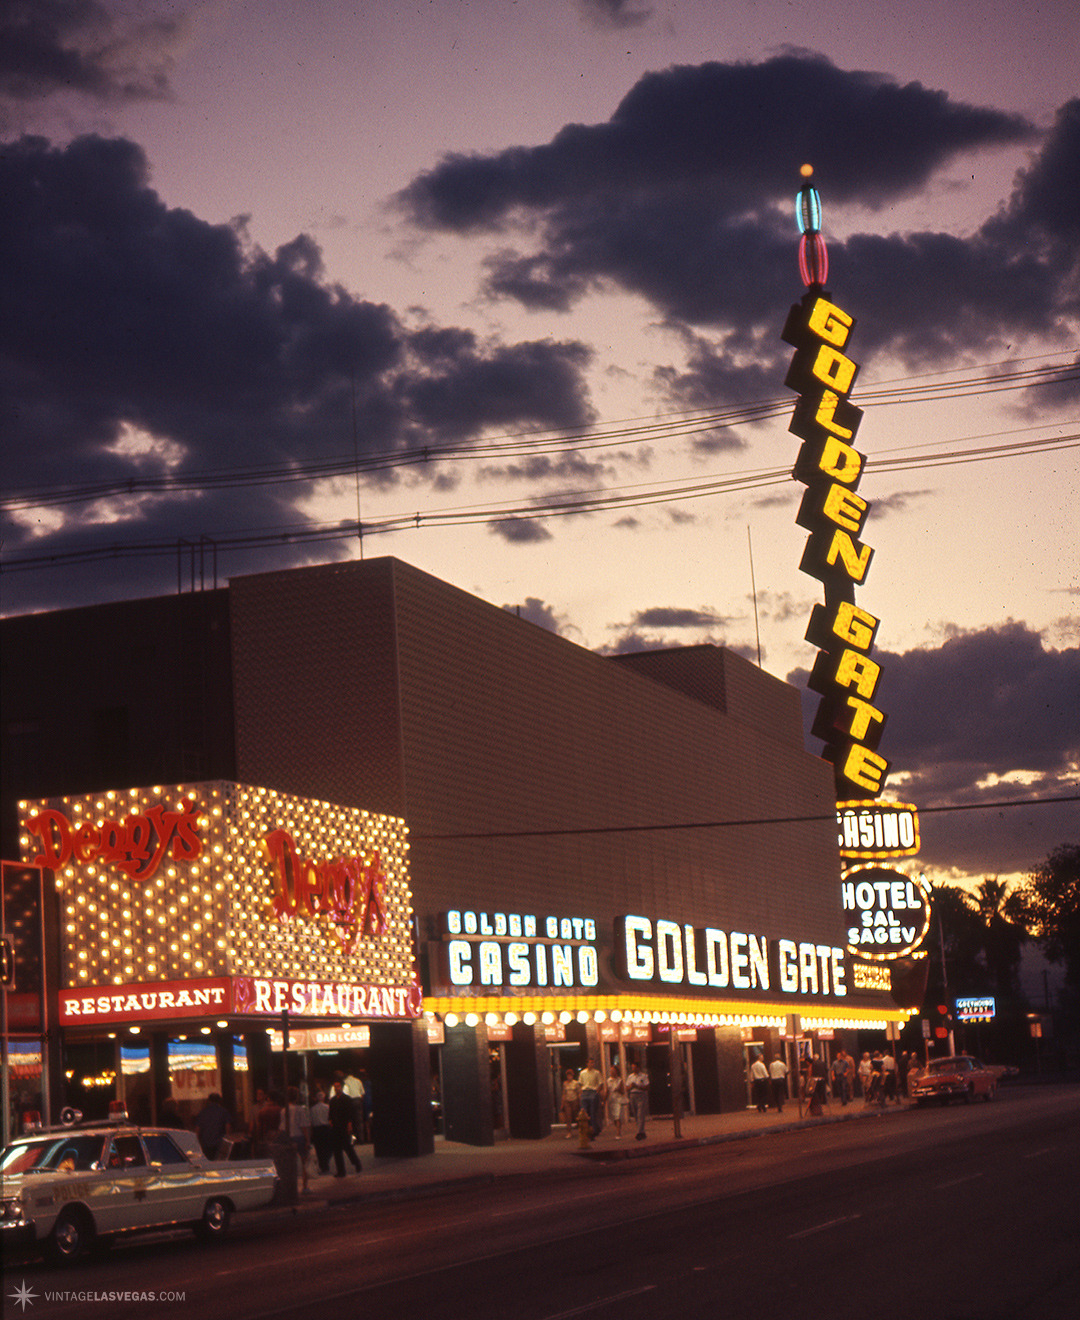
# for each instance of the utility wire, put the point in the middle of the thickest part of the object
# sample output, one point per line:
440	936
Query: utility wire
560	504
670	426
722	824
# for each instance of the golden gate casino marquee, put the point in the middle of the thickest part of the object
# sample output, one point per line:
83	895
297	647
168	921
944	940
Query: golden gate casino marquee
223	900
832	511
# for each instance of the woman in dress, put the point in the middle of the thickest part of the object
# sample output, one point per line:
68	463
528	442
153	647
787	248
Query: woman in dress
617	1101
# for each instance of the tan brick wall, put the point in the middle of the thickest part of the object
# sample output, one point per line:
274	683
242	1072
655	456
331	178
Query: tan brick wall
376	685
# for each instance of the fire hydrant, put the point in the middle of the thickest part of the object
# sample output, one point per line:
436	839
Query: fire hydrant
583	1129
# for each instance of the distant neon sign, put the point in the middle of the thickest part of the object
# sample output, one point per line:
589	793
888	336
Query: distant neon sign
975	1010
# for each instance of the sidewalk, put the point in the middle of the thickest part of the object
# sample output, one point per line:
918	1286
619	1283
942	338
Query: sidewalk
455	1165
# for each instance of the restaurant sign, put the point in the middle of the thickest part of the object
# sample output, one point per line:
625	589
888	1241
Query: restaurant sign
219	879
235	997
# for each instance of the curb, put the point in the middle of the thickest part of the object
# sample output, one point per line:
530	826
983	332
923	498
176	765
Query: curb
720	1138
444	1185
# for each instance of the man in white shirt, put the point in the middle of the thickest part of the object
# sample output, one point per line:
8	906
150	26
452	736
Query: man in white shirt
591	1081
759	1083
778	1071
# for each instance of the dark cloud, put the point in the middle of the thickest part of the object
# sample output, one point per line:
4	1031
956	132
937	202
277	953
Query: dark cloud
616	14
1025	696
713	372
520	531
666	616
640	639
989	716
569	466
683	198
898	502
83	46
659	626
734	133
138	340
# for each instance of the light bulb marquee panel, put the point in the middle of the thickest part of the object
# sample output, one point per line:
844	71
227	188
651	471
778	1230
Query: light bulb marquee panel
848	721
299	905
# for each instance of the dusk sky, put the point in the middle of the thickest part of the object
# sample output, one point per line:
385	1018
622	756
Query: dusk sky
508	279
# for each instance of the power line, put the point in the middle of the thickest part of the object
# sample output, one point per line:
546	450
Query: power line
631	431
559	504
721	824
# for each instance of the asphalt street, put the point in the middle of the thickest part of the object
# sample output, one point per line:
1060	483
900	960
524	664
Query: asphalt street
965	1213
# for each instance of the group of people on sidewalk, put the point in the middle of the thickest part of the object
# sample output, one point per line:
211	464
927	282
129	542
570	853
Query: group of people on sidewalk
611	1098
768	1079
878	1077
328	1128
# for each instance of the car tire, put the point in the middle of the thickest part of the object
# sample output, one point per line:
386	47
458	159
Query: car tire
70	1238
990	1092
969	1094
214	1223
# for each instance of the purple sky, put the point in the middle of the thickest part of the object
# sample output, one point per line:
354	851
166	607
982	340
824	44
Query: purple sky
511	279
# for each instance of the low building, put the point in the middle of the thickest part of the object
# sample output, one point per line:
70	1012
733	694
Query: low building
610	857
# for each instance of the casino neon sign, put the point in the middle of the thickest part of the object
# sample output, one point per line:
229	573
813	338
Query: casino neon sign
848	721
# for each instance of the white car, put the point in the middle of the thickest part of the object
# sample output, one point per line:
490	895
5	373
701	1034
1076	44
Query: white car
65	1188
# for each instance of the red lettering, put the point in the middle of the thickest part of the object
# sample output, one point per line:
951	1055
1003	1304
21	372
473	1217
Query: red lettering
87	842
52	828
135	846
186	842
351	891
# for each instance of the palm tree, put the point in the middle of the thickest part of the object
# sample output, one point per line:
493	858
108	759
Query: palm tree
1003	937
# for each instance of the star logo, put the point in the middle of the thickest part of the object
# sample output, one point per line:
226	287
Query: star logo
23	1295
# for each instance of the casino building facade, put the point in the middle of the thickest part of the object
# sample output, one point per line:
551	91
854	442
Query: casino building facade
352	816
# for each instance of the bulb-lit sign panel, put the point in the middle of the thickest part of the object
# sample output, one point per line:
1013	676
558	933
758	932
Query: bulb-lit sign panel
888	912
517	951
848	720
877	830
303	906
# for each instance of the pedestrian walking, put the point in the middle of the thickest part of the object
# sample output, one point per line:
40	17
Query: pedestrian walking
637	1090
571	1101
342	1118
591	1081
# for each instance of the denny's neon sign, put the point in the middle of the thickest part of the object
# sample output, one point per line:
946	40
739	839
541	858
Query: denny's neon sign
848	720
351	890
135	845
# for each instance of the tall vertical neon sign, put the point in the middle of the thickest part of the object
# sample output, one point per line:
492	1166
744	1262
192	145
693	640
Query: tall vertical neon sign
832	511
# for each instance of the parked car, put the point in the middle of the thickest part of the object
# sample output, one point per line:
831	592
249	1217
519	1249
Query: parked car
1003	1070
956	1077
63	1189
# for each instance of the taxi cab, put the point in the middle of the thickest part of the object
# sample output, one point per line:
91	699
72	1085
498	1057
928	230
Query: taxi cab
63	1189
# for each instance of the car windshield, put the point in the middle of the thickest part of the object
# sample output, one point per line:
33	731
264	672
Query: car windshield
946	1065
70	1152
